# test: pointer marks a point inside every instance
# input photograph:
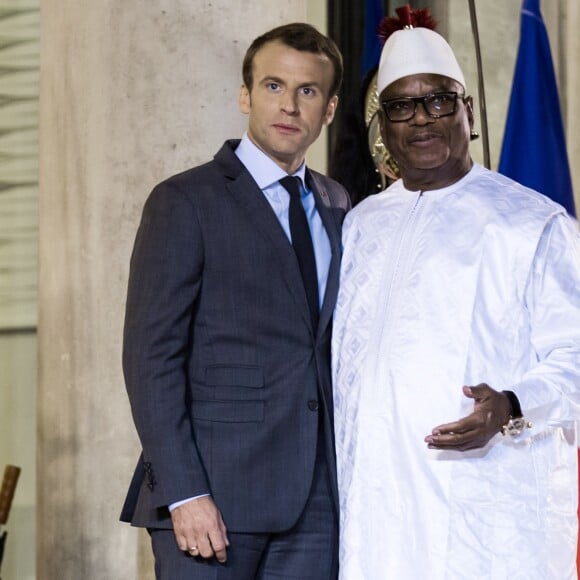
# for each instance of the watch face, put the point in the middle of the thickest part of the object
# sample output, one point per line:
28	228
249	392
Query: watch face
514	426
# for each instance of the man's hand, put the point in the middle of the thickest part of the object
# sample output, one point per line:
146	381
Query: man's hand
199	529
491	410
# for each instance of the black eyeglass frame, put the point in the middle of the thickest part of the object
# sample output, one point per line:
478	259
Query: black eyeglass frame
422	99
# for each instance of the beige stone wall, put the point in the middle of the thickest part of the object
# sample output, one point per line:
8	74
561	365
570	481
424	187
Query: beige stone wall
316	12
131	92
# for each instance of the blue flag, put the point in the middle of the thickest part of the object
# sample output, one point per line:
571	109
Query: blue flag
534	146
371	44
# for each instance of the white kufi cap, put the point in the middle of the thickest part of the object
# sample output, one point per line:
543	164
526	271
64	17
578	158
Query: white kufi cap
414	51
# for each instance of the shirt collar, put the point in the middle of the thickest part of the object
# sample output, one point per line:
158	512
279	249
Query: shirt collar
262	168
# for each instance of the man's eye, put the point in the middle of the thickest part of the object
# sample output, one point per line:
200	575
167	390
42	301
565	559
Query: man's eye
400	106
440	99
308	91
273	86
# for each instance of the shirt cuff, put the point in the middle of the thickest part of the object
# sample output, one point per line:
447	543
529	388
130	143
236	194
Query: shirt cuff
172	506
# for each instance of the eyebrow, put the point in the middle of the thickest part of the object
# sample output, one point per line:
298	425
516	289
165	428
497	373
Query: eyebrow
273	79
433	92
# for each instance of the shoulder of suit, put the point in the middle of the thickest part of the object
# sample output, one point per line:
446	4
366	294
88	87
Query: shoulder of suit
209	174
338	195
224	162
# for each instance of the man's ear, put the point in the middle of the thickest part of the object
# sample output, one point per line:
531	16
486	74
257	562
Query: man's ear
382	122
330	110
244	99
469	107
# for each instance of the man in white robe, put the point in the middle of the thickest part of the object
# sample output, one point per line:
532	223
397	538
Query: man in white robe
458	320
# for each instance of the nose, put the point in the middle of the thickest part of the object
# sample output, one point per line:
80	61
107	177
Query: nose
421	117
289	103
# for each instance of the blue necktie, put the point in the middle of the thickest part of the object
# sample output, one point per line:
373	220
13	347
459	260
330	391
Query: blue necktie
302	243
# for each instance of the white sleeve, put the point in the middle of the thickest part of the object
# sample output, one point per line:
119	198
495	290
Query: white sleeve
551	389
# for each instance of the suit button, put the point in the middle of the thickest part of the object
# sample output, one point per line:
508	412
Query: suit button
313	405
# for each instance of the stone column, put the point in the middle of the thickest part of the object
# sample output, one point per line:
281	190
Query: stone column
498	24
131	92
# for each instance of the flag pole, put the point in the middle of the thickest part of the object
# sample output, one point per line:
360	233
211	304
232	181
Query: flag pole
481	88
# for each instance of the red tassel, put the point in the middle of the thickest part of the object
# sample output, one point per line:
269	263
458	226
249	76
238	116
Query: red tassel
404	13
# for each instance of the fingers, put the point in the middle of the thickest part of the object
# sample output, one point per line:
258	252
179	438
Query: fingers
210	546
205	548
199	529
461	426
453	440
479	393
471	432
476	429
458	435
219	543
214	545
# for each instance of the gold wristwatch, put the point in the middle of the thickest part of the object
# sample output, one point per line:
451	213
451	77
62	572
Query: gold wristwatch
516	423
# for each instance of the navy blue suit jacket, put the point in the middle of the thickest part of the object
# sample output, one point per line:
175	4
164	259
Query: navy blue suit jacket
226	379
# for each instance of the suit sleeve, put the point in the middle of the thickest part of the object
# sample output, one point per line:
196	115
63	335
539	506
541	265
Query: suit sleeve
164	282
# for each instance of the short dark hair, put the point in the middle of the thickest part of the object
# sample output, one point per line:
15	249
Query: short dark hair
299	36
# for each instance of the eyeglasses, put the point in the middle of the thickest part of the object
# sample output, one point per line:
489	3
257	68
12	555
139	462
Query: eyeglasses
435	104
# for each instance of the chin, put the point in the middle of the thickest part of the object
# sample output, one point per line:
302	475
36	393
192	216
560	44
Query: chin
426	165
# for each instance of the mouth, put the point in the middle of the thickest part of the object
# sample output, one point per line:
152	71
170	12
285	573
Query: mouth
424	139
286	129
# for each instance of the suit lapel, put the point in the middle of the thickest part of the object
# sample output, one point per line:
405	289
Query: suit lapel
332	226
253	203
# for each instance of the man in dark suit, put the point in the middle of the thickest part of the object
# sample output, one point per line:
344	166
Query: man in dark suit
227	337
